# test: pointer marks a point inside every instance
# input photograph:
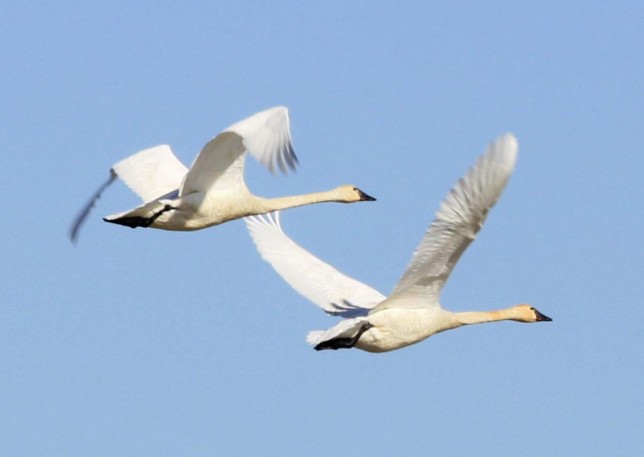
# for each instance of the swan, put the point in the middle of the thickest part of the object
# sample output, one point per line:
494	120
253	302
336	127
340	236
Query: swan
212	191
412	313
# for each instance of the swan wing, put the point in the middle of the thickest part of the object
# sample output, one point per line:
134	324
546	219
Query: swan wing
80	219
334	292
220	164
267	136
460	217
151	174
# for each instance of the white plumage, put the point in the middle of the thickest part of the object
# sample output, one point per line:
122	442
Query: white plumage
213	190
412	312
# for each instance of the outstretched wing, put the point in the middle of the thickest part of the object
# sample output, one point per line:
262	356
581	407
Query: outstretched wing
460	217
151	174
334	292
220	164
267	136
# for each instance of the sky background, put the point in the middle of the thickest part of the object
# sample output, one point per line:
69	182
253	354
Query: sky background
145	342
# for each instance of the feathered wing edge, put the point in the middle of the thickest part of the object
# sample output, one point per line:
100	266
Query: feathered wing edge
267	137
460	217
151	174
331	290
80	219
220	163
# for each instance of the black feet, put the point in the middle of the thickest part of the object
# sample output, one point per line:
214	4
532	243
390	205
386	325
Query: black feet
343	343
139	221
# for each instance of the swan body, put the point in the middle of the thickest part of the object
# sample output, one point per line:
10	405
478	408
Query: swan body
213	190
412	313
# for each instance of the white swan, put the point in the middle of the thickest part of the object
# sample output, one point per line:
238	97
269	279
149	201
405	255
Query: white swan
411	313
213	190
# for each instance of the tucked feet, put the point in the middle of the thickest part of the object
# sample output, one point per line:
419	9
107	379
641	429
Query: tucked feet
343	343
139	221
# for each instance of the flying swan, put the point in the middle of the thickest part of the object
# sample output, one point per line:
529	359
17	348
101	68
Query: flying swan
212	191
373	322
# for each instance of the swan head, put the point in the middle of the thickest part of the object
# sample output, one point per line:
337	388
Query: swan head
350	194
528	313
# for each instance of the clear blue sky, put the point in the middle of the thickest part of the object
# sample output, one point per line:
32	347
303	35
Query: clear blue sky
143	342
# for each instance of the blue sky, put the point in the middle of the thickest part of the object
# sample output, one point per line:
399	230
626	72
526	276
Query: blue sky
144	342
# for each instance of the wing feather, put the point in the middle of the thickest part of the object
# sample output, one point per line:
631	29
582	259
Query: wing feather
151	173
460	217
267	136
331	290
87	208
220	164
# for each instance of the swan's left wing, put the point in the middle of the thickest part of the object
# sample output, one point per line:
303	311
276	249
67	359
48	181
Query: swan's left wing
460	217
151	173
334	292
220	164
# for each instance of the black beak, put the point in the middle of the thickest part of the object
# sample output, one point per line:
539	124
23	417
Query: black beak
364	197
542	317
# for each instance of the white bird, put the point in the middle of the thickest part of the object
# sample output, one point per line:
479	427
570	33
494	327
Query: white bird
412	312
212	191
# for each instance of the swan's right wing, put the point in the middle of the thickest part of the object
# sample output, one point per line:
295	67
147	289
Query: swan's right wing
460	217
267	136
334	292
151	173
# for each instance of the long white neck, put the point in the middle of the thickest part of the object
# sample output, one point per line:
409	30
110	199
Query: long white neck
481	317
275	204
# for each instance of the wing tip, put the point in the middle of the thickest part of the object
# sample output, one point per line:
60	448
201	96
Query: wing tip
74	230
504	150
266	135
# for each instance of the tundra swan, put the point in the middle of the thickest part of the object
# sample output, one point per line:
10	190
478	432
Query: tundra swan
412	313
212	191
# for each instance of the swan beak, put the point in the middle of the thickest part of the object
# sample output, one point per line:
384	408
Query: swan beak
364	197
541	317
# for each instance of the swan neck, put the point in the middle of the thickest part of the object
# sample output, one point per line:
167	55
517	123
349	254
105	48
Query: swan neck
481	317
275	204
